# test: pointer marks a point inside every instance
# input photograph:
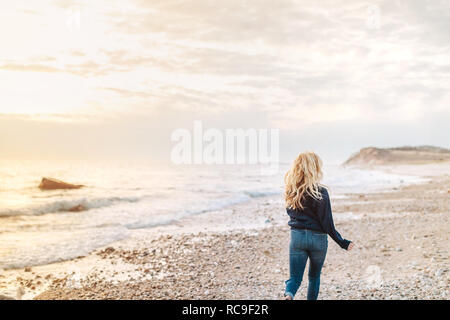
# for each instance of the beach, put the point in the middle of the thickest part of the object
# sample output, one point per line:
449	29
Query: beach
147	146
401	251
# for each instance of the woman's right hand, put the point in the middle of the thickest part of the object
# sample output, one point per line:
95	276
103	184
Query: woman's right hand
350	246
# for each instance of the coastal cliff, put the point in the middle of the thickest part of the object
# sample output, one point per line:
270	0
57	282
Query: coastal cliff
372	156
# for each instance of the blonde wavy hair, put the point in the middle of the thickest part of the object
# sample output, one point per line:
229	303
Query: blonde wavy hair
303	179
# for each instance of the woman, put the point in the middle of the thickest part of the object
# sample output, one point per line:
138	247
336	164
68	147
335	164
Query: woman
309	209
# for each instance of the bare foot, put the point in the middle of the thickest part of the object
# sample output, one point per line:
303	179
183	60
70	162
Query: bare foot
287	297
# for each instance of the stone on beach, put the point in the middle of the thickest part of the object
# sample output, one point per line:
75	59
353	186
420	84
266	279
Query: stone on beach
53	184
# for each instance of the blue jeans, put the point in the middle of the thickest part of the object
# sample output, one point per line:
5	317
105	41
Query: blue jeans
306	244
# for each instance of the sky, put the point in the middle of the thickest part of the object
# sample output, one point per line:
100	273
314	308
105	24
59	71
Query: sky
115	78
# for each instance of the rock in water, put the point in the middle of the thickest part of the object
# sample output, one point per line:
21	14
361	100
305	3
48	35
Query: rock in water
77	208
53	184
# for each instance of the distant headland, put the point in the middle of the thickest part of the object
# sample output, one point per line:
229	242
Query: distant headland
372	156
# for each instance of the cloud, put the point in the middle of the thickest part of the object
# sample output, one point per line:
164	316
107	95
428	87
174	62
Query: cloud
286	64
29	67
84	69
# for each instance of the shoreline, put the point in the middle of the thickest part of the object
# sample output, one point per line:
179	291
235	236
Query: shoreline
140	263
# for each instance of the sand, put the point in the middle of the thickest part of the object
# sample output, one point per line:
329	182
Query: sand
401	252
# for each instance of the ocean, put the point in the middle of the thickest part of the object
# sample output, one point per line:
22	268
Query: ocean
36	227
